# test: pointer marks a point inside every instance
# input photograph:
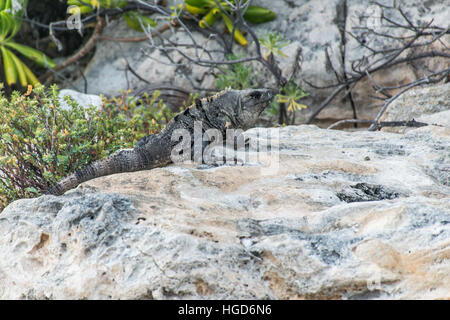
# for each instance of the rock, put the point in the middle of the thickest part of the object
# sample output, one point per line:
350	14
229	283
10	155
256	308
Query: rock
429	104
317	30
84	100
362	215
439	118
313	26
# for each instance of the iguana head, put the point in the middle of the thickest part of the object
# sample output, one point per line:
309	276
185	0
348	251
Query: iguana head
239	109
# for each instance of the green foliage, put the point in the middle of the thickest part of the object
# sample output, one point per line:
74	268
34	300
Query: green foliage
134	19
291	94
273	42
210	12
14	69
190	100
87	6
237	76
138	22
40	142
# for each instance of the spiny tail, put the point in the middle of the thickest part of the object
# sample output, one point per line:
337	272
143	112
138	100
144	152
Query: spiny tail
126	160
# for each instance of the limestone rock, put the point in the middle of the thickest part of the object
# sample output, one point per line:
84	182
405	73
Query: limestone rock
314	26
84	100
429	104
363	215
439	118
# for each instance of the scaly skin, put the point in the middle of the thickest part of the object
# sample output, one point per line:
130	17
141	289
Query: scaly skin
236	109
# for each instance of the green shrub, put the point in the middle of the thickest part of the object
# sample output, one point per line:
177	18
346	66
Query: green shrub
237	76
14	69
290	94
40	142
273	42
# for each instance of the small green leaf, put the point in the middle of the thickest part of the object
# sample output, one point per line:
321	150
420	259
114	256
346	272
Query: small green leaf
273	42
209	19
32	54
238	36
255	14
20	69
195	10
32	190
200	3
138	22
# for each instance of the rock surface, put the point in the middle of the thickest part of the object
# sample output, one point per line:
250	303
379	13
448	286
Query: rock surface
429	104
84	100
314	26
363	215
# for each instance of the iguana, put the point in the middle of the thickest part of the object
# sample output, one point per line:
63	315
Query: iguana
229	109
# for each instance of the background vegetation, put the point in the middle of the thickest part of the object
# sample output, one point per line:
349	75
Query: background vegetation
40	142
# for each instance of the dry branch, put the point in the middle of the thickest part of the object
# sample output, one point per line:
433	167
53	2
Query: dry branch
414	45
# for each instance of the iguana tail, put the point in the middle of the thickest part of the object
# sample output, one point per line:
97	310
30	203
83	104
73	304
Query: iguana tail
126	160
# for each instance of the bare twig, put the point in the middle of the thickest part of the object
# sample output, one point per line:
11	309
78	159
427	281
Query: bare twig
90	44
413	45
432	78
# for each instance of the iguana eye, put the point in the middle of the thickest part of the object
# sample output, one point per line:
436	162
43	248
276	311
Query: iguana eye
255	94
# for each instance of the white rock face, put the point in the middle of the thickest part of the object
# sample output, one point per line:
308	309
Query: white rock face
429	104
363	215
